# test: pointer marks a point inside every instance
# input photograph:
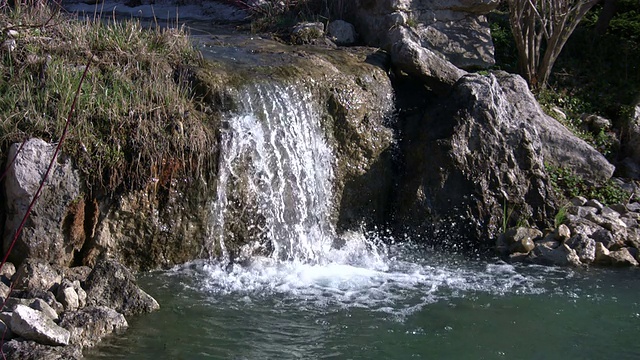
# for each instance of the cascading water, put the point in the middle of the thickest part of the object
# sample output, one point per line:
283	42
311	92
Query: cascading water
294	292
276	166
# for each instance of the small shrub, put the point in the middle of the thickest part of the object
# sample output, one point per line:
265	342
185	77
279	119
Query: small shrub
568	185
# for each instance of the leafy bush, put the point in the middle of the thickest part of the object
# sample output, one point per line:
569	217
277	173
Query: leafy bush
568	185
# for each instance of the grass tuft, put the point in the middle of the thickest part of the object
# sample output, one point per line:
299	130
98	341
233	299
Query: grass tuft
136	118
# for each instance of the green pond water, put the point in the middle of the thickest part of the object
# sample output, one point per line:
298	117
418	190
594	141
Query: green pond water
401	303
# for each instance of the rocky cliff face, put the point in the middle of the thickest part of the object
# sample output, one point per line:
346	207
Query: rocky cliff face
457	30
476	161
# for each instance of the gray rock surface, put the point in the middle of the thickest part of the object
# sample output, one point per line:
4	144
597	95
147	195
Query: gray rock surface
342	32
468	147
21	349
42	306
457	30
49	212
90	325
408	55
35	274
110	284
34	325
560	256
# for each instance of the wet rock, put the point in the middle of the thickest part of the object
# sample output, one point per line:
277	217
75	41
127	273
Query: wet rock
342	32
110	284
560	256
549	241
90	325
36	274
21	349
475	141
38	239
34	325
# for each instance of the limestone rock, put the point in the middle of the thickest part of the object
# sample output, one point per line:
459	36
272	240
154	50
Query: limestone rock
68	296
622	257
409	56
44	236
36	274
110	284
21	349
7	271
42	306
34	325
584	246
342	32
562	233
474	142
89	325
457	30
560	256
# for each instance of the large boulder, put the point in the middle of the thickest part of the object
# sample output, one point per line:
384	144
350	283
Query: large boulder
476	162
34	325
112	285
456	29
89	325
35	274
409	56
54	209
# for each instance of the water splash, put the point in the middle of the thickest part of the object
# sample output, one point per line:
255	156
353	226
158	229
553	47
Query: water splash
275	195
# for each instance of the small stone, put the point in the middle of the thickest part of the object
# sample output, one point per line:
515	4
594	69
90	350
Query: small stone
523	246
7	272
548	241
562	233
560	256
68	297
578	201
608	212
594	204
342	32
633	207
621	209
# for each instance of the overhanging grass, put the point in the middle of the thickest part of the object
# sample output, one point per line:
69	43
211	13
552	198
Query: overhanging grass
135	120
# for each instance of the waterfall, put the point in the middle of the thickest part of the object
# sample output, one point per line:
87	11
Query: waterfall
275	176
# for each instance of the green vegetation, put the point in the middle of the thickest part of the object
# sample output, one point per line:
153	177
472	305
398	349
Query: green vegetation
568	185
135	119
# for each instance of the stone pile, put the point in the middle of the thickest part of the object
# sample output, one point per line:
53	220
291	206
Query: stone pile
591	234
54	312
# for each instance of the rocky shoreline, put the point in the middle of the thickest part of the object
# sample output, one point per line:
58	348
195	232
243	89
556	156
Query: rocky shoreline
54	312
592	234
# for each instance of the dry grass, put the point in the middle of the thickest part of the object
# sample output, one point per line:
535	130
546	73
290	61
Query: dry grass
135	121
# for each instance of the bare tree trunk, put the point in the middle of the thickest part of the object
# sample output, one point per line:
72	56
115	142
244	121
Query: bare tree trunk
543	24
